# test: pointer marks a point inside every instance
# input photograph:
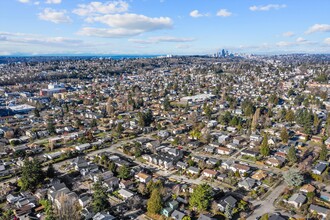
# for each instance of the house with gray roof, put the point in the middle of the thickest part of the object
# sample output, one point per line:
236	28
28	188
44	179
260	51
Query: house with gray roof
322	211
297	200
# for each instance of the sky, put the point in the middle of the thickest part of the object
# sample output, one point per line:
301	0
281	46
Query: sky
178	27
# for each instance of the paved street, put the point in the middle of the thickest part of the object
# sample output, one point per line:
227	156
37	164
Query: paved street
266	205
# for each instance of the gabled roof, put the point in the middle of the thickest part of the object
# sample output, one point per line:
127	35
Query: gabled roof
298	198
307	188
177	215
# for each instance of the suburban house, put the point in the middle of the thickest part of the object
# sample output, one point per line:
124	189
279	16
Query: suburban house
322	211
229	200
307	188
209	173
193	170
297	200
247	183
259	175
320	168
224	151
143	177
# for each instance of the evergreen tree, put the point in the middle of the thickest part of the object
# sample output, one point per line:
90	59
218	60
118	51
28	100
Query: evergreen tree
264	148
93	123
284	135
112	166
119	129
292	157
51	127
166	104
289	116
201	197
123	172
208	111
36	113
100	200
32	175
154	204
323	153
50	173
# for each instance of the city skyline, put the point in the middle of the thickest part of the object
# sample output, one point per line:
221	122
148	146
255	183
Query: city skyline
37	27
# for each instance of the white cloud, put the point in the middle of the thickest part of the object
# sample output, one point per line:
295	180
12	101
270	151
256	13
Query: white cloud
266	7
284	44
224	13
37	39
109	33
53	1
54	16
197	14
161	39
126	25
327	41
102	8
300	40
183	46
288	34
24	1
318	28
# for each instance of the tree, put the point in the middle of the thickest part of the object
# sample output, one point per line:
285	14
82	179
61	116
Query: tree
109	107
112	166
284	135
214	207
208	111
68	207
123	172
100	200
145	118
323	153
51	127
225	118
50	173
49	210
154	204
119	129
7	215
186	218
228	211
32	175
265	217
142	189
166	104
292	157
264	148
195	134
201	197
78	123
36	113
293	178
255	120
289	116
93	123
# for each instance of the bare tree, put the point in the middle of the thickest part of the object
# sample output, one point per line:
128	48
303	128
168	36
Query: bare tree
67	207
255	120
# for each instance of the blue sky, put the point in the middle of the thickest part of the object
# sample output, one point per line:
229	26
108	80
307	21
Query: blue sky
37	27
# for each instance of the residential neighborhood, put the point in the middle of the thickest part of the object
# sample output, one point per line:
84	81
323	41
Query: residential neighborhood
181	137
